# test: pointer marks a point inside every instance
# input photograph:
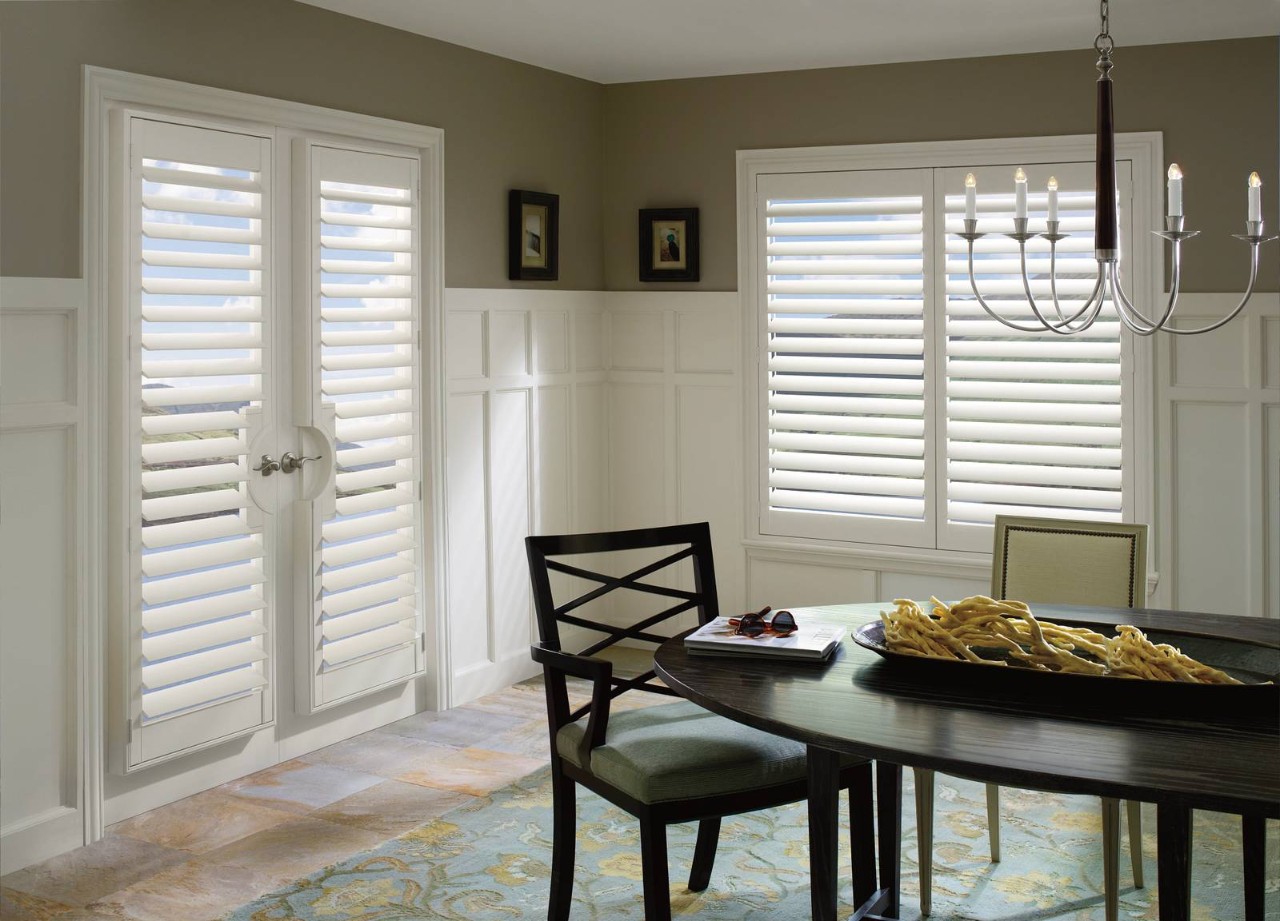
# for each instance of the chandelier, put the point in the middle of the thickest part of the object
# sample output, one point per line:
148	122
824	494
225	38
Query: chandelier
1106	234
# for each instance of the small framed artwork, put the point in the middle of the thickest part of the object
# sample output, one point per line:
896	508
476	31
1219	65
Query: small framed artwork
533	236
669	244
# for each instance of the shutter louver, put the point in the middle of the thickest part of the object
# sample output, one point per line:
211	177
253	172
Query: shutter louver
845	290
1033	420
366	619
198	200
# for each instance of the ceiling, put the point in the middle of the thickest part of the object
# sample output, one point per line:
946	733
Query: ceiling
617	41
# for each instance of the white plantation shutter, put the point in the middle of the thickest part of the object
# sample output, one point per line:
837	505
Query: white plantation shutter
1033	422
893	409
201	620
366	592
845	305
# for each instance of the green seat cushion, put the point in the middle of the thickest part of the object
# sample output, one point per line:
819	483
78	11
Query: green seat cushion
681	751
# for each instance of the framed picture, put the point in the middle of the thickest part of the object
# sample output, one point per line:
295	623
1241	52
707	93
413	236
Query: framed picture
533	236
669	244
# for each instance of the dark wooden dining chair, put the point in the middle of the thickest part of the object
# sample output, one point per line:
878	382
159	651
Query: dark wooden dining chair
1068	562
667	763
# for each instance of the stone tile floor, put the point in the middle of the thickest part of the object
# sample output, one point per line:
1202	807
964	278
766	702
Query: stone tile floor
198	858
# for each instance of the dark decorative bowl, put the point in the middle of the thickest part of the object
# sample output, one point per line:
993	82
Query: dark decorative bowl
1255	664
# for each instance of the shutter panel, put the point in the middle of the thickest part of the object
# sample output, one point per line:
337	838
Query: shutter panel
1033	420
845	304
198	205
365	612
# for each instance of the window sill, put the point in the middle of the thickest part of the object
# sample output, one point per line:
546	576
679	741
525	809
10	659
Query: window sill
950	563
883	558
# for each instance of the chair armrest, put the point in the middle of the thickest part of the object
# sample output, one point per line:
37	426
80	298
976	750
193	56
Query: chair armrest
587	667
599	672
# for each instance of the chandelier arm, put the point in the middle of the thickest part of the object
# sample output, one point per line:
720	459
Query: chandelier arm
1053	279
1091	306
1176	286
1064	328
1099	291
973	284
1124	309
1253	278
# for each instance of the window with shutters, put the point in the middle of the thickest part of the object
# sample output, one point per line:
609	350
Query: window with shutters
891	409
274	455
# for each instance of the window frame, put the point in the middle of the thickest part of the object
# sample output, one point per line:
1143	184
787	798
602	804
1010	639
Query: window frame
1143	258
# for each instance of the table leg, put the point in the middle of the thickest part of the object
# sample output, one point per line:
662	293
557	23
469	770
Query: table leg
1173	842
824	830
889	811
862	835
1253	829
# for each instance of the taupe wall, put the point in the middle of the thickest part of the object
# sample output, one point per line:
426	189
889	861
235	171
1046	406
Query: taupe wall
609	150
672	143
507	125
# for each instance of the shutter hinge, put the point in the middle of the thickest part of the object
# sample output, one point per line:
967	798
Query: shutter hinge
129	740
419	340
419	490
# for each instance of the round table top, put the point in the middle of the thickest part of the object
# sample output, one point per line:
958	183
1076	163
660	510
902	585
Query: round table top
1013	733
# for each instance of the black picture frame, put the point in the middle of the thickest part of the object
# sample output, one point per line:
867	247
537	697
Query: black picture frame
661	231
533	236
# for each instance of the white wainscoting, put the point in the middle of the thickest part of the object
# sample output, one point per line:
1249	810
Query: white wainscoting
566	411
1218	453
675	420
675	454
526	429
48	797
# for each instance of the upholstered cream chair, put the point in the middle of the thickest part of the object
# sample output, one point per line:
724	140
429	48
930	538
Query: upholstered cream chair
1050	560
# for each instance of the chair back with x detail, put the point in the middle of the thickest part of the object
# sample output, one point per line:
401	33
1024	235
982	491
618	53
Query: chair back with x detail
687	542
664	764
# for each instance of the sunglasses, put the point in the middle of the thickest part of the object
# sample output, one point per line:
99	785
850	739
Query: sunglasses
754	624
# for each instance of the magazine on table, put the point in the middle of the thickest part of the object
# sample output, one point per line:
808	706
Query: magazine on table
812	639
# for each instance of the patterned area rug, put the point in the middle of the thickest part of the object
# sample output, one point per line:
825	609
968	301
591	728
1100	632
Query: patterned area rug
490	860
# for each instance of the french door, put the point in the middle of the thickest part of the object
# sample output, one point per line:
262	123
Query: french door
271	453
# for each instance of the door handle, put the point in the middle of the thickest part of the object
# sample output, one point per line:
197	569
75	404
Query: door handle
290	462
268	465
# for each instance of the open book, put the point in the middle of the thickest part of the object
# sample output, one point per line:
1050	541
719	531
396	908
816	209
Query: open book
813	640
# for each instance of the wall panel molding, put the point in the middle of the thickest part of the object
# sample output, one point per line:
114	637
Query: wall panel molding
673	454
50	682
1218	461
525	444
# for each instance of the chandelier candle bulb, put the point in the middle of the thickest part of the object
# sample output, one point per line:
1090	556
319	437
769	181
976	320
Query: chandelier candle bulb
1175	191
1053	199
971	197
1255	197
1020	193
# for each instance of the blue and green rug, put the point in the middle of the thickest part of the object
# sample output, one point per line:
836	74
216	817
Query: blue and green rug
490	860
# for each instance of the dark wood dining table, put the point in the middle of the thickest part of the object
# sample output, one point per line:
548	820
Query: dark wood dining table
1187	751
